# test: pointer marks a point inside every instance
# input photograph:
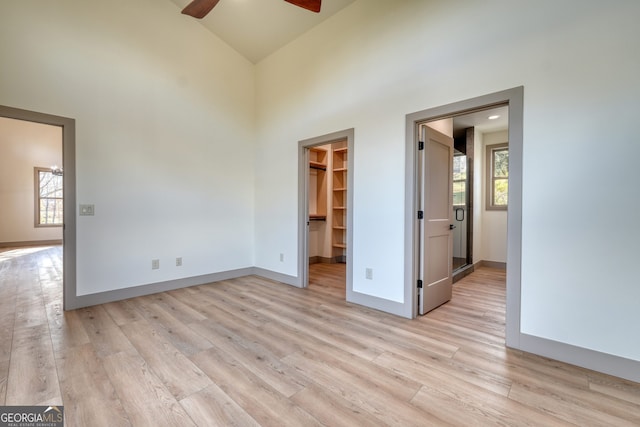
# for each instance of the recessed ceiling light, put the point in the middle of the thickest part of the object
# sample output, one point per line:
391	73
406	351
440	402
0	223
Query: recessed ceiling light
494	117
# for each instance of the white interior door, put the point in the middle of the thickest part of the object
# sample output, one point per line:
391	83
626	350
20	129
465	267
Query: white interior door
435	200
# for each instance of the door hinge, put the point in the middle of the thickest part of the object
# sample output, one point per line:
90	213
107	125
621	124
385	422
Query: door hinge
420	214
419	284
420	145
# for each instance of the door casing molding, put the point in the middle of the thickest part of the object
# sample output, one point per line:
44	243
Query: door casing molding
514	99
303	204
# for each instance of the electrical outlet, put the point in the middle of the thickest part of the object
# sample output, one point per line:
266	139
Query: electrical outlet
281	257
368	273
179	261
155	264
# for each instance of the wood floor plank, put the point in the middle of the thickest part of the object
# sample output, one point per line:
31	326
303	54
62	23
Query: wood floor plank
65	327
472	406
179	375
213	407
123	312
312	324
253	357
32	378
614	387
89	395
145	399
103	332
361	393
266	405
565	407
4	376
171	302
332	409
427	370
182	337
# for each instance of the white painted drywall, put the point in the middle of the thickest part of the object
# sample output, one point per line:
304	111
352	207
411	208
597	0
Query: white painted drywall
164	133
378	60
24	146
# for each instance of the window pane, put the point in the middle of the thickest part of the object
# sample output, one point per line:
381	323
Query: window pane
51	211
459	168
50	184
459	193
500	191
501	163
49	198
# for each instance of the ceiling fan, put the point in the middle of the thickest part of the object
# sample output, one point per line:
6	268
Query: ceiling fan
200	8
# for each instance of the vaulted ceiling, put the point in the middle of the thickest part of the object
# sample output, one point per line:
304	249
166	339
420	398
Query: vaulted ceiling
257	28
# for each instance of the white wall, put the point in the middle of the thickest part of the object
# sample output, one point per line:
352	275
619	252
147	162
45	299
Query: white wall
24	146
164	132
377	61
493	242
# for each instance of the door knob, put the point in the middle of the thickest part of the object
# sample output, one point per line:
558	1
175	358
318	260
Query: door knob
451	226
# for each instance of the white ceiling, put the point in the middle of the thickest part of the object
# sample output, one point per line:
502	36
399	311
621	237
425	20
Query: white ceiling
257	28
481	122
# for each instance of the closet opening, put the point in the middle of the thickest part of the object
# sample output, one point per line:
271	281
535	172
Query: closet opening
325	213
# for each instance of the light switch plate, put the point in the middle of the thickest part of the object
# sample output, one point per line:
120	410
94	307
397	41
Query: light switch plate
87	210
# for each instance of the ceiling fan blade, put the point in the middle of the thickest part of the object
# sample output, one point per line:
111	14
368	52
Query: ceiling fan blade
312	5
199	8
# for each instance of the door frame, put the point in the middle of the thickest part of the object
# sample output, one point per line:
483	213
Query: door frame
68	126
303	204
514	99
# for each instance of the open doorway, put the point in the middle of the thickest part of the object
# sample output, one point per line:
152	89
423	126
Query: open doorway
449	208
480	228
327	231
51	185
325	212
513	100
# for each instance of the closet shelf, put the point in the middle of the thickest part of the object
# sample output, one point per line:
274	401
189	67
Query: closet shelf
317	217
317	165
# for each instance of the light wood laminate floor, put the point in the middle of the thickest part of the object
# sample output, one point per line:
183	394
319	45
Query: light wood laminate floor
253	352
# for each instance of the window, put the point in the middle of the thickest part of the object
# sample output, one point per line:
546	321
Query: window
459	179
48	188
497	176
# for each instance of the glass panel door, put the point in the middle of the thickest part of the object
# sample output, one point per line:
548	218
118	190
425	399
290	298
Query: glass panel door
460	211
